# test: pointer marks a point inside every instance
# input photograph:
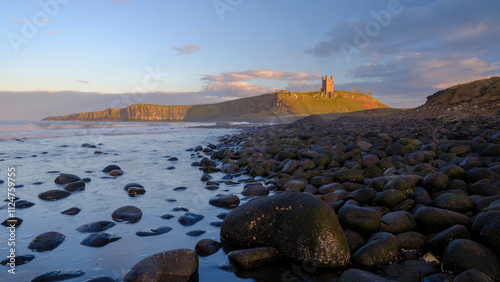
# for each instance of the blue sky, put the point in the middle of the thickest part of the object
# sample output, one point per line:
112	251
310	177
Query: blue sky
75	56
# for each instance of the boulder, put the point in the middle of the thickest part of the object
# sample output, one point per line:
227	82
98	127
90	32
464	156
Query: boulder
46	241
298	225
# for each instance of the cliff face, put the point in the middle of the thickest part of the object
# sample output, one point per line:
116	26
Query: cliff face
262	107
475	92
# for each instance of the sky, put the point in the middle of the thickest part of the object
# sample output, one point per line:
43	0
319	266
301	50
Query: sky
65	56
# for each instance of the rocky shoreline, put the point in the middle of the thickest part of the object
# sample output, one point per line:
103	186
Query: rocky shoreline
410	195
415	195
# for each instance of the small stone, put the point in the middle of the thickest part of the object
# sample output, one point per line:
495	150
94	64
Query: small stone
20	260
53	195
397	222
403	184
22	204
64	178
354	274
255	190
116	172
195	233
129	214
153	231
441	239
453	202
75	186
461	255
59	275
207	247
46	241
190	218
16	221
71	211
97	226
110	168
167	216
435	219
227	201
435	182
99	239
382	248
360	219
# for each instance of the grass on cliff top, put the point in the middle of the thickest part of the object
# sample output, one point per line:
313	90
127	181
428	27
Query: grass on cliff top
306	103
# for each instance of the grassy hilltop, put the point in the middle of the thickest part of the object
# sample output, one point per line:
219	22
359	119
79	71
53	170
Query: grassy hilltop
258	108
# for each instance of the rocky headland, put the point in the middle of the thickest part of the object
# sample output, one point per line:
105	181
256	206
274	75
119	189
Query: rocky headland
271	107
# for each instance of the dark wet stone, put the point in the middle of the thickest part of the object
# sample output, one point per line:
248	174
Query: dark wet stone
461	255
453	172
71	211
207	247
110	168
99	239
175	265
100	279
97	226
401	273
195	233
250	258
256	190
180	209
173	159
22	204
354	239
389	198
180	188
472	275
53	195
481	173
34	183
46	241
116	172
216	223
318	181
20	260
205	177
435	219
134	191
411	240
453	202
167	216
222	215
129	214
439	277
315	234
403	184
226	201
441	239
421	267
206	162
170	168
362	196
230	168
64	178
397	149
483	189
212	187
75	186
59	275
153	231
16	221
348	175
397	222
130	185
491	151
171	200
486	229
190	218
359	218
354	274
435	182
381	248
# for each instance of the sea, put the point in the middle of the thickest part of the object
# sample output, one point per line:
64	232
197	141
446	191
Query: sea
40	150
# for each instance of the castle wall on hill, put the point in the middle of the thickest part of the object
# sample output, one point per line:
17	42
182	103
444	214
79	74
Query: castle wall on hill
327	87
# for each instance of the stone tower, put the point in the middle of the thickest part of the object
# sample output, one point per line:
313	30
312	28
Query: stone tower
327	87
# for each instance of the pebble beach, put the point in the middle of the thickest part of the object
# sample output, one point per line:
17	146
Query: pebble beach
409	196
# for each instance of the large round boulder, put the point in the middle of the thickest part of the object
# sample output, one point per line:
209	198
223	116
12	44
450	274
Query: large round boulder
298	225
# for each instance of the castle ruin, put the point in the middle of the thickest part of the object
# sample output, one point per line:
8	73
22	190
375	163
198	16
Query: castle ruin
327	87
